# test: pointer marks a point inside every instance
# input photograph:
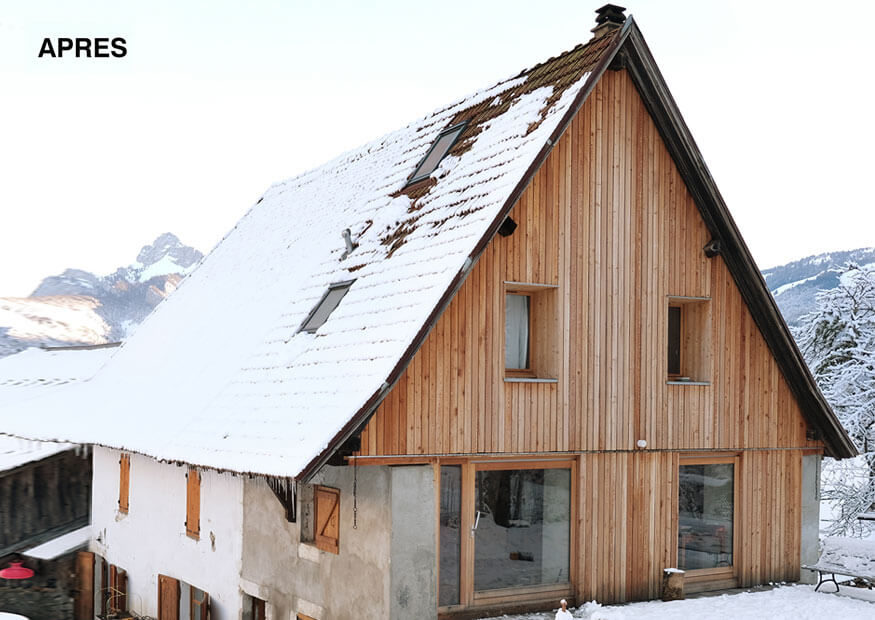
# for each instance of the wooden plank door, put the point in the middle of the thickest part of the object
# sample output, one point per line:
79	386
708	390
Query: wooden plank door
84	600
168	598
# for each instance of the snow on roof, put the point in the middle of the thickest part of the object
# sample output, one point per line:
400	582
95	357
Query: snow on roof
55	366
219	375
15	452
61	545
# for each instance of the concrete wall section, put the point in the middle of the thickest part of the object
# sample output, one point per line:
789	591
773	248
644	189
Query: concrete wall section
297	577
810	547
414	549
151	538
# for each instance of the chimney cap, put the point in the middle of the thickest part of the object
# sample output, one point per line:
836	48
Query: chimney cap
609	17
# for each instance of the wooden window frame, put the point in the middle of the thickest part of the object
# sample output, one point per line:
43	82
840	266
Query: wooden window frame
124	484
521	372
193	503
326	543
193	604
174	590
698	578
470	599
694	346
543	321
680	372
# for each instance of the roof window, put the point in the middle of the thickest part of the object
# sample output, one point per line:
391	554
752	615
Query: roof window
437	152
330	300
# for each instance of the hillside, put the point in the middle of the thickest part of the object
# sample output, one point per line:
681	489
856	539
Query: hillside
795	284
79	307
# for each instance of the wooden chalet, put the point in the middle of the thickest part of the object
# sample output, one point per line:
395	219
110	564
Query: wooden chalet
530	358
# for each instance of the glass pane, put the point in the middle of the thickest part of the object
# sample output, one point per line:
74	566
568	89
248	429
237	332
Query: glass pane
516	332
326	306
674	340
522	537
705	513
450	533
434	157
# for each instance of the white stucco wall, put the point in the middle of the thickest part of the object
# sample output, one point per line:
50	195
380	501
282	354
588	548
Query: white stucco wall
151	538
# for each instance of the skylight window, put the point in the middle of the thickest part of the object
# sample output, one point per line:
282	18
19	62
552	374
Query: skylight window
437	152
330	300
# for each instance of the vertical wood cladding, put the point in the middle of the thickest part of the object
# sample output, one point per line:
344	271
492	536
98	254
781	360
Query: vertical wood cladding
44	498
609	220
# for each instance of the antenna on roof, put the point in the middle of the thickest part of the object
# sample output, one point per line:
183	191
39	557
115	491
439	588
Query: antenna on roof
608	18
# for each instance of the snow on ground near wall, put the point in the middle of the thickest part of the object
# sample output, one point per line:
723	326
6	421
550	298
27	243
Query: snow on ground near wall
784	603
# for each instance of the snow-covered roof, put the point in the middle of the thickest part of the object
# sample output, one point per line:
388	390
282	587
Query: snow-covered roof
15	452
220	376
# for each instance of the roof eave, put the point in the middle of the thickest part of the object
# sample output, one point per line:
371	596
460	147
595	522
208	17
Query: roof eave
644	72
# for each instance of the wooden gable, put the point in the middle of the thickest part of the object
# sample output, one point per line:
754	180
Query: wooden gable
609	222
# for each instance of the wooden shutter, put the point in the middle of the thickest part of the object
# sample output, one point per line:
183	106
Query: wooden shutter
327	519
84	600
103	588
258	609
118	589
124	483
193	504
168	598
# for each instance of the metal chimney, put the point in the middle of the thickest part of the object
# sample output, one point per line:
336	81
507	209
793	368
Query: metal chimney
608	18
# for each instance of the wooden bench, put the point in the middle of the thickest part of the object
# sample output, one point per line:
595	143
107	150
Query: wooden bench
845	556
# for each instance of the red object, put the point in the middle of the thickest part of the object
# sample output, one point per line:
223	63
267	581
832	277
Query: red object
16	571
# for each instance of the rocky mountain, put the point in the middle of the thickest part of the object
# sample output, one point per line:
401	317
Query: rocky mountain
79	307
795	285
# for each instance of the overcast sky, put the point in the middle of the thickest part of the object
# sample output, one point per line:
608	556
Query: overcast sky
217	100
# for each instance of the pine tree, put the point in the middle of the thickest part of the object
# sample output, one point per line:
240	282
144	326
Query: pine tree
838	342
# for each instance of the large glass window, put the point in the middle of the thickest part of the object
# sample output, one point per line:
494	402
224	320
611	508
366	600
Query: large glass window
522	533
705	515
450	534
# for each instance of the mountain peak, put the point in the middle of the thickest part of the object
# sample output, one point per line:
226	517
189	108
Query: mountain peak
167	245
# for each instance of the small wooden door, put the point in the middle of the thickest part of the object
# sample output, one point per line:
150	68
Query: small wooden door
84	601
168	598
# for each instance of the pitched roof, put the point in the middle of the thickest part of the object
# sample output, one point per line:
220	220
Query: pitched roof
220	375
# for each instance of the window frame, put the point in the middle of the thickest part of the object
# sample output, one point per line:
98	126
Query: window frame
544	333
416	176
704	575
675	375
345	284
528	371
695	356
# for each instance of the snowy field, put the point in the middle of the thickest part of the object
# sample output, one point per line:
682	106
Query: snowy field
784	603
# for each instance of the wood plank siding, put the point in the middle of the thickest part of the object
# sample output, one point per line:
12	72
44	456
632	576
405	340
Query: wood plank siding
608	221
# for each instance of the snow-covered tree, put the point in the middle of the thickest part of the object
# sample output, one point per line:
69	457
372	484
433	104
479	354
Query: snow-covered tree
838	342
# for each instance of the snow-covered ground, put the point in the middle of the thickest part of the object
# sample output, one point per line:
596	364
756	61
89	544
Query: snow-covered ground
783	603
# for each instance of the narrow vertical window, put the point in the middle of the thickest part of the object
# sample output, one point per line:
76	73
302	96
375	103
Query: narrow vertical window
124	482
674	340
706	515
516	332
193	503
199	605
450	534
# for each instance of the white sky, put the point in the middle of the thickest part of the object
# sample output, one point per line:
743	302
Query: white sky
217	100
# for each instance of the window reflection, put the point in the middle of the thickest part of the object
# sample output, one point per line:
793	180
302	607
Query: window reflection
705	516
